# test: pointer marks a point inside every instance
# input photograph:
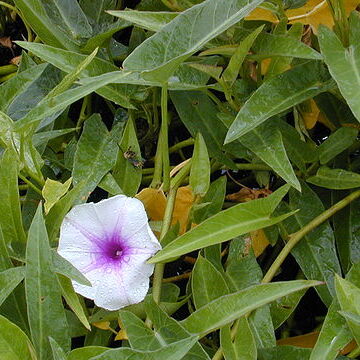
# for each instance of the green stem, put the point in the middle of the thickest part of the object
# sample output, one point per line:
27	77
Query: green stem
28	182
7	77
164	138
170	204
7	69
181	144
82	115
296	237
257	167
159	268
156	180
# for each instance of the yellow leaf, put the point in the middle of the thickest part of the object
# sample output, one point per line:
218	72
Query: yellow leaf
262	14
313	13
259	241
310	114
324	120
316	12
121	335
103	325
155	203
183	203
265	66
304	341
309	341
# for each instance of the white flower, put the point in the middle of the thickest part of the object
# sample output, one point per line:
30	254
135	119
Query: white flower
109	242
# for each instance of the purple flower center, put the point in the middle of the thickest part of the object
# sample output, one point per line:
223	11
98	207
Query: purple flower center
109	252
113	250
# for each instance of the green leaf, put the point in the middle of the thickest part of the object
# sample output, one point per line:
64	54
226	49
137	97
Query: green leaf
60	24
67	61
334	334
269	45
10	219
279	94
266	142
348	296
104	35
225	225
95	154
344	63
14	343
242	268
207	283
126	172
139	335
63	267
148	20
262	327
14	307
195	30
315	264
338	179
15	86
300	152
53	191
200	168
280	63
43	295
214	199
57	351
174	351
109	184
169	331
72	76
57	213
86	352
282	308
44	136
95	12
227	308
9	280
284	353
337	142
243	347
51	105
198	114
72	300
232	71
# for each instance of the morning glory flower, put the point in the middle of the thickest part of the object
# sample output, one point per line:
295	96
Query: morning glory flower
109	243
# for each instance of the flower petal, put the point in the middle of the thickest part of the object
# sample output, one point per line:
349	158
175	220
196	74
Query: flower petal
128	286
145	239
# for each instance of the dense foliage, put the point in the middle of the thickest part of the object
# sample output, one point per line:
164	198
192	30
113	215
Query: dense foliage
236	123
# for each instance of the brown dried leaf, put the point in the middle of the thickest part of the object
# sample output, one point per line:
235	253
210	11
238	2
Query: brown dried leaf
6	42
247	194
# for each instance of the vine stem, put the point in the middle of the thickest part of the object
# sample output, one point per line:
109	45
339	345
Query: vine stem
159	268
164	138
293	240
170	204
297	236
30	184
